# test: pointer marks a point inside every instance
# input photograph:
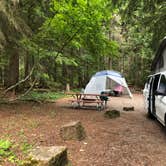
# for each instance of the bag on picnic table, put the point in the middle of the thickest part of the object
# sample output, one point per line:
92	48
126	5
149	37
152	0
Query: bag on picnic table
103	98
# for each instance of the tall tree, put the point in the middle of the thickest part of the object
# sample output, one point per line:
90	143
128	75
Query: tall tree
73	31
12	28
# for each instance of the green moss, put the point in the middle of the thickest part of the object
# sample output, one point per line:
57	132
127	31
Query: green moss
112	114
81	133
29	162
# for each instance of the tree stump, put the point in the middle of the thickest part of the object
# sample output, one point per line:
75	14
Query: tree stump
128	108
112	114
47	156
72	131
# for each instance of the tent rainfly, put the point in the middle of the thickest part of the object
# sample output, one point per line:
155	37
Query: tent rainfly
106	80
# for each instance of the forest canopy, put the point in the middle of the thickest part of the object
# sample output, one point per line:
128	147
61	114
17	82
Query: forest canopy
47	44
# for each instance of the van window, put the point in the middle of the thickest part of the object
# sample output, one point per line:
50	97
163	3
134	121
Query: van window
155	83
162	85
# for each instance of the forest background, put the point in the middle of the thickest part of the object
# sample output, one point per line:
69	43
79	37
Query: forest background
51	43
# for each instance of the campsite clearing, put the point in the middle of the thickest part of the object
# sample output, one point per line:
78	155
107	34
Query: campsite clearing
130	139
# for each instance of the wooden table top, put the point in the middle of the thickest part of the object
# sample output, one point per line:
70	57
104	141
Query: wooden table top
84	94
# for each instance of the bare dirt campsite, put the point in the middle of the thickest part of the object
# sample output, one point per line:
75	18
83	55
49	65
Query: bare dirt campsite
85	51
131	139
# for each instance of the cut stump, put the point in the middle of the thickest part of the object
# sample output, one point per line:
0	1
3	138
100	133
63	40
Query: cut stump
47	156
128	108
73	131
112	114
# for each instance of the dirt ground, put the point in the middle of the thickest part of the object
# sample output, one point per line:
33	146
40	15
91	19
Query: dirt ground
131	140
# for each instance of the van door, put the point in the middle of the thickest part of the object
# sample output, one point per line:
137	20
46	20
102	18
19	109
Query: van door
160	100
146	92
153	88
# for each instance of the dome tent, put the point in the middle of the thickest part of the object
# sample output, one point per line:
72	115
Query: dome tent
106	79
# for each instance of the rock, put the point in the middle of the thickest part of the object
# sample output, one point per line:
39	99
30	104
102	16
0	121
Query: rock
47	156
112	114
73	131
128	108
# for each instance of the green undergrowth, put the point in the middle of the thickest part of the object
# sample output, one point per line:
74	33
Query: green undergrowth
5	146
76	90
7	151
42	96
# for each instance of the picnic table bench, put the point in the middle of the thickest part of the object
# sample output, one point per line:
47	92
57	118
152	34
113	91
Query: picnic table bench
82	99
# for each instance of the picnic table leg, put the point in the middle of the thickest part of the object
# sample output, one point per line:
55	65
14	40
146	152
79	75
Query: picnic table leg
83	104
105	104
100	106
77	104
73	104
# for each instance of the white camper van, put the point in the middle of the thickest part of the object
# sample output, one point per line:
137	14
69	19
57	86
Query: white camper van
155	96
155	87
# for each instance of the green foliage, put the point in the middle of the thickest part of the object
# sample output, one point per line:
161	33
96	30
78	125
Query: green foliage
140	56
25	147
39	96
73	34
74	25
34	12
142	28
114	47
7	151
5	146
147	15
65	60
71	40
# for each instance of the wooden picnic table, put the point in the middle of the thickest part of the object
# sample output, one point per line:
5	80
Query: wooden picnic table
82	99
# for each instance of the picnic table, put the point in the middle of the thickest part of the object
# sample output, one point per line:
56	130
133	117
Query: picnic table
84	99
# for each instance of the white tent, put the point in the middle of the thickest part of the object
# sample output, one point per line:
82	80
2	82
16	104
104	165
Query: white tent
104	80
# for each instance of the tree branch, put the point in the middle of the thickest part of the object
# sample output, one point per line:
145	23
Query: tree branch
19	97
28	89
67	42
20	82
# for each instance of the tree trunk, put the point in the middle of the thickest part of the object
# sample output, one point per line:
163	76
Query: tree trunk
27	66
12	69
1	75
110	63
65	74
81	77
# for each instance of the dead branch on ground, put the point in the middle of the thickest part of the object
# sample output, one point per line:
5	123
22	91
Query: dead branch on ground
20	82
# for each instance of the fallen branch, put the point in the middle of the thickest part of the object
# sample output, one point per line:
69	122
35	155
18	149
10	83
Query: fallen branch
19	97
20	82
29	89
